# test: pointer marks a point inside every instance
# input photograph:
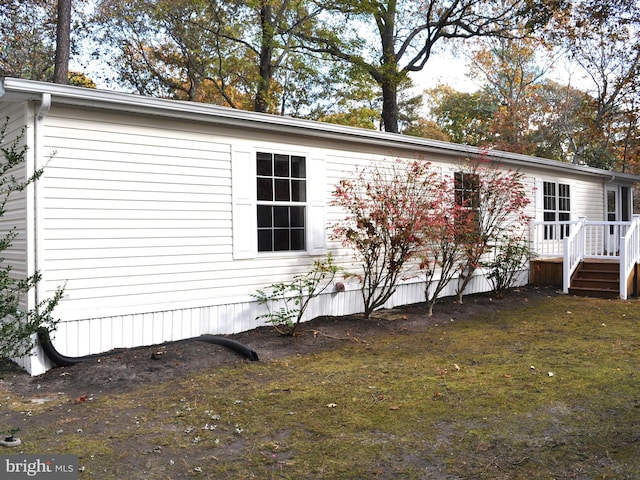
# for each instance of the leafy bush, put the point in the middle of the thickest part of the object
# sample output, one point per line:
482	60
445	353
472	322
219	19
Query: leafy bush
286	302
18	326
511	256
388	207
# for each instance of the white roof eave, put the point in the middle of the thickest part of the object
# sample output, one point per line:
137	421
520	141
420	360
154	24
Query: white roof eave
14	89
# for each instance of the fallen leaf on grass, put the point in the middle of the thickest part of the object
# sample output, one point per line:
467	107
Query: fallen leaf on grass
394	407
332	405
80	399
506	375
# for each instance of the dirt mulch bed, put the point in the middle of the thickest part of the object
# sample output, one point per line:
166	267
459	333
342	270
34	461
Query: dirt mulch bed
124	370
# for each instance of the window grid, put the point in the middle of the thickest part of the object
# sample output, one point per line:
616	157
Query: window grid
467	190
281	195
556	207
467	195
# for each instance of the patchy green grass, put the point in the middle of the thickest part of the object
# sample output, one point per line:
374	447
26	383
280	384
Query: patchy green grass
547	391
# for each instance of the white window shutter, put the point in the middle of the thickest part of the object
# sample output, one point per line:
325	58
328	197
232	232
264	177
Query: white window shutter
243	193
317	206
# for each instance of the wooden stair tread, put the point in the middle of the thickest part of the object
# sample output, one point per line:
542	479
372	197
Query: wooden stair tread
596	279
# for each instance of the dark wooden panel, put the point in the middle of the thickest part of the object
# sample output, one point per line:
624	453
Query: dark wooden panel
545	273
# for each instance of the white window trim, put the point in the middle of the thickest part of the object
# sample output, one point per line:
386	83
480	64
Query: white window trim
244	203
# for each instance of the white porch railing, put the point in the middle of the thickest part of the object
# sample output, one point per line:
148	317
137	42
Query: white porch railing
575	241
573	253
629	254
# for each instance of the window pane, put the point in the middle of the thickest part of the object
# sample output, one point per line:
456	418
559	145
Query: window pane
265	189
549	216
298	191
282	190
265	243
457	185
611	201
281	180
550	203
549	189
263	166
297	216
280	239
298	167
297	239
624	201
264	216
280	216
281	165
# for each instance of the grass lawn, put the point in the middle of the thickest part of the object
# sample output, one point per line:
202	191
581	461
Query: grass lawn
547	391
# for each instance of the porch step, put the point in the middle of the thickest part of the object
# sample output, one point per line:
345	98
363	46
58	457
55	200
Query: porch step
596	279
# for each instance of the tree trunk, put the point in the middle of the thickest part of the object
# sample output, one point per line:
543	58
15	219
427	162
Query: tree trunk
63	42
463	281
261	100
389	76
390	105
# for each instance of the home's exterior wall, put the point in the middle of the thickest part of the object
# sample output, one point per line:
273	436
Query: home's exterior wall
137	222
148	222
587	194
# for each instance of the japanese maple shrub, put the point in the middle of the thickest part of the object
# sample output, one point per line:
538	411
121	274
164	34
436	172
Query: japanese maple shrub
440	254
387	206
17	325
493	205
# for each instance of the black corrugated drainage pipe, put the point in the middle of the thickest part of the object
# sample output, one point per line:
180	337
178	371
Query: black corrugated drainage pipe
63	361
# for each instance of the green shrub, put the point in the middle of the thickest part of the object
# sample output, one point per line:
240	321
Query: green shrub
510	258
18	326
286	302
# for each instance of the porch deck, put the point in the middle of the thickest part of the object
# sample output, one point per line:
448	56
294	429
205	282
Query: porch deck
564	248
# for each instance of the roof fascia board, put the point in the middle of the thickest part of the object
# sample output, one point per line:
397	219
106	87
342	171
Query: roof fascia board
118	101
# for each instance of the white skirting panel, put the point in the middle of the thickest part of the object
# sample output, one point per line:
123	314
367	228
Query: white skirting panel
96	335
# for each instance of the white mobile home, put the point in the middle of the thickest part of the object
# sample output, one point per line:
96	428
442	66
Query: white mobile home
149	210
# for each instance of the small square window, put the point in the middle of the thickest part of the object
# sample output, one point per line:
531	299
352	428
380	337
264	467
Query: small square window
265	188
283	193
265	216
297	217
298	167
281	166
280	216
298	190
265	241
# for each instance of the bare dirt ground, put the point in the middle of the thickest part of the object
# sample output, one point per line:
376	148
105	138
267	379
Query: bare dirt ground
121	371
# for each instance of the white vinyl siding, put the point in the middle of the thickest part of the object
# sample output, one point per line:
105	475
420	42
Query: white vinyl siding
586	197
15	214
133	215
